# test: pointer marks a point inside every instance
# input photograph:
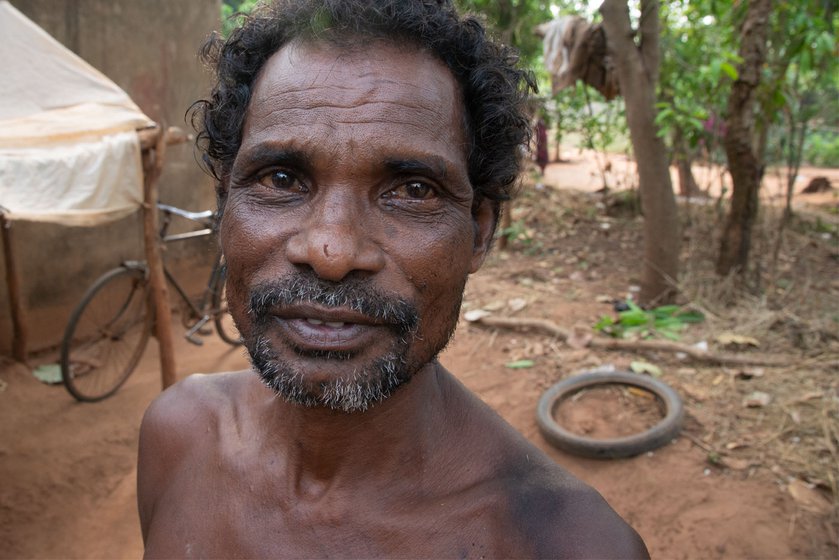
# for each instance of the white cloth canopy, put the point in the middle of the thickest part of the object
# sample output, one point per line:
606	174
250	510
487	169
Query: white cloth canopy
69	152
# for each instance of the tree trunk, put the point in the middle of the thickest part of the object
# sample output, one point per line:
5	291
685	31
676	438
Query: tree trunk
744	164
637	69
687	183
683	161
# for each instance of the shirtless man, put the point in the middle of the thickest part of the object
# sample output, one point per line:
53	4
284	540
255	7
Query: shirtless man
361	149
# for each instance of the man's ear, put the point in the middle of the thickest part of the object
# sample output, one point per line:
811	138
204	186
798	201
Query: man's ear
484	219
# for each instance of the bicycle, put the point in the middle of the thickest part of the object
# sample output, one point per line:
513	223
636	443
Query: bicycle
110	327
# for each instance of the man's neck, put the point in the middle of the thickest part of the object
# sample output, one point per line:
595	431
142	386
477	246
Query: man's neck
391	443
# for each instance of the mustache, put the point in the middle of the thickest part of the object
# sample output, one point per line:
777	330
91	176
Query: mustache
352	293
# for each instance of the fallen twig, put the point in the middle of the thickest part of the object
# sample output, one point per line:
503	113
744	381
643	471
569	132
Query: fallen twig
551	328
698	442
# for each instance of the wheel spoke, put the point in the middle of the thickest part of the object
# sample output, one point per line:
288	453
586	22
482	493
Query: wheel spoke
106	335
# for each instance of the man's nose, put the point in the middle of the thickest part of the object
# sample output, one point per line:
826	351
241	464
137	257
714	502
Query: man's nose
335	242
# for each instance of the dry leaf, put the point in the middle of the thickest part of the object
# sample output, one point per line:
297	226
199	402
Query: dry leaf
517	304
604	299
809	498
757	399
645	367
640	393
734	339
476	315
736	464
496	305
577	276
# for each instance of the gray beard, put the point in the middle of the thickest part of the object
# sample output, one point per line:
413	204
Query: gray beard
356	392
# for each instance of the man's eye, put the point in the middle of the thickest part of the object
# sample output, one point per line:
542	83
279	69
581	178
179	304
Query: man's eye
282	180
412	190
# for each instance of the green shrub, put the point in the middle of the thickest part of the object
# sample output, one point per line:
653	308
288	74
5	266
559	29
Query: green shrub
822	149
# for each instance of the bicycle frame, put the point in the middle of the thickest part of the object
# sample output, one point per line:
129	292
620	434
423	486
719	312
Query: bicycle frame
200	311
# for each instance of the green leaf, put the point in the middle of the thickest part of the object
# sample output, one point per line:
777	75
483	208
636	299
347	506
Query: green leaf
665	310
604	322
668	323
633	318
729	70
691	317
633	306
520	364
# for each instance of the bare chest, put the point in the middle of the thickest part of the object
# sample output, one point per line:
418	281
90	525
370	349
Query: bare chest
227	518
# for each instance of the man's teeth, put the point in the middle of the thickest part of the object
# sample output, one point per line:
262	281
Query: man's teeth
333	324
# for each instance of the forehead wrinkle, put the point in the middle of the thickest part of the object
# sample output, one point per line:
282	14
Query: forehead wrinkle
423	118
306	97
346	97
431	121
301	89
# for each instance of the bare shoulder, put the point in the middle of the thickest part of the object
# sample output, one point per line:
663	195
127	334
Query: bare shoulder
556	514
565	518
176	425
178	411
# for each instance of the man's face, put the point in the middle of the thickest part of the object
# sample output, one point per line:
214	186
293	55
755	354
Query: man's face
348	227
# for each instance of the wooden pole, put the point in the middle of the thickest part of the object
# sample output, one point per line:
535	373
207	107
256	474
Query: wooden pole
152	168
20	328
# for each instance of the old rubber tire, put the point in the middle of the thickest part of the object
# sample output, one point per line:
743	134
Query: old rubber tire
660	434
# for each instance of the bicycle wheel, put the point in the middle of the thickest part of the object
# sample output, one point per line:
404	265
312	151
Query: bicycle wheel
660	434
106	335
225	327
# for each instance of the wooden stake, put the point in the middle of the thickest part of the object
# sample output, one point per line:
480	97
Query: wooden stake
152	168
20	327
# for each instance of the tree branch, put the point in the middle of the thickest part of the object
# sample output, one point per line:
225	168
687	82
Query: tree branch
551	328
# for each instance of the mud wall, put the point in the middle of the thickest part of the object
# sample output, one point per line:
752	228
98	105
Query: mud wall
149	48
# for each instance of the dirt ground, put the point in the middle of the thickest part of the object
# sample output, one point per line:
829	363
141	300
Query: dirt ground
739	482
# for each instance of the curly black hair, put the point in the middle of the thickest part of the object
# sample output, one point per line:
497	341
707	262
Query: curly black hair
494	89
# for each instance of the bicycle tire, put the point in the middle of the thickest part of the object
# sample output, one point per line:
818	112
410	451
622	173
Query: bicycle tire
225	327
106	335
613	448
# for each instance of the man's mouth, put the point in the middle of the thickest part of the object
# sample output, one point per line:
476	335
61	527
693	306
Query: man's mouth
321	334
315	317
331	324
